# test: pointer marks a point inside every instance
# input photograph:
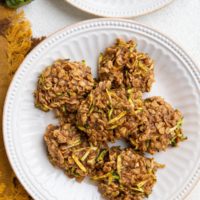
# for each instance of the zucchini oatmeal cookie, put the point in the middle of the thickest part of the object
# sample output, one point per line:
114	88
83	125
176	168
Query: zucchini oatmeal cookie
69	150
160	127
63	85
126	175
124	66
109	114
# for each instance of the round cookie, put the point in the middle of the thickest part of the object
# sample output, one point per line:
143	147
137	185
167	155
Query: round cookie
124	66
69	150
107	114
126	175
160	127
63	85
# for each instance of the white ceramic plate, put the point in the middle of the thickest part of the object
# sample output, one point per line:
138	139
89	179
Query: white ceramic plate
119	8
177	80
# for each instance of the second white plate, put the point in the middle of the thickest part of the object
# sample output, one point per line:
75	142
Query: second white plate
177	80
119	8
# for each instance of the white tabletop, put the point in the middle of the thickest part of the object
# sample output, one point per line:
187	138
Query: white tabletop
180	21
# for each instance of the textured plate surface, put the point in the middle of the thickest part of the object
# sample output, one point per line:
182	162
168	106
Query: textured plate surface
119	8
177	80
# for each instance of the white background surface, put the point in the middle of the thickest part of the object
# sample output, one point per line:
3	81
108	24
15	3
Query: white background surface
180	21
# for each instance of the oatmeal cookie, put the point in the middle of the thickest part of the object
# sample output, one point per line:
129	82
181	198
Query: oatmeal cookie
63	85
70	151
124	66
109	114
126	175
160	127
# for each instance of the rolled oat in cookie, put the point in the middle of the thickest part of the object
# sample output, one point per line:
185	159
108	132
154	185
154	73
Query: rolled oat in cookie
108	114
126	175
63	85
70	151
124	66
160	127
65	117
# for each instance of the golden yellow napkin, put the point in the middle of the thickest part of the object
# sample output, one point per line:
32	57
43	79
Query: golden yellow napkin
15	42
